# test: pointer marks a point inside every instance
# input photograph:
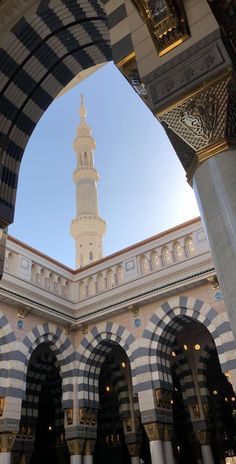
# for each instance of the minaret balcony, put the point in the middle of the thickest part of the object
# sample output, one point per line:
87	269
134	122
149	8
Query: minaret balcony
86	224
84	142
85	172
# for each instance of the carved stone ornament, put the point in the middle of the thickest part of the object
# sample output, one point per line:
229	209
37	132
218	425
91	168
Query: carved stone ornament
154	431
75	446
89	447
6	442
166	22
204	122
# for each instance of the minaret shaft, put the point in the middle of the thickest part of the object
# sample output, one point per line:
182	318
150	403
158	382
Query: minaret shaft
87	228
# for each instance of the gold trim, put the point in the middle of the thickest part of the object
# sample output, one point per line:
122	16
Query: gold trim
125	60
174	45
213	149
203	86
206	153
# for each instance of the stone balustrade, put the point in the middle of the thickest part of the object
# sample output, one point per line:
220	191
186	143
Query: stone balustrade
174	247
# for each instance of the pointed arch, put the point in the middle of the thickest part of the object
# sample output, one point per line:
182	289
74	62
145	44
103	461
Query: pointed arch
91	354
160	333
61	348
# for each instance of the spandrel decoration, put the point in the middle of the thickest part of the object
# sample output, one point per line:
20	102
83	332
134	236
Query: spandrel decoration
166	21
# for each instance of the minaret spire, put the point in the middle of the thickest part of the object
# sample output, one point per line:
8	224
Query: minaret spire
87	228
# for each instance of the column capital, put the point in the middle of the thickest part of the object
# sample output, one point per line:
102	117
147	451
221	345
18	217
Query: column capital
89	447
203	123
168	432
154	431
6	441
203	437
134	449
76	445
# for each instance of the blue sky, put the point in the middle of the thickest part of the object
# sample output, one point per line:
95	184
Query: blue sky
142	188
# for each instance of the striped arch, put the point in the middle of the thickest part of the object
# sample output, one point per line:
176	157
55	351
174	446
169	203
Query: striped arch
92	352
160	333
10	377
38	370
46	47
62	350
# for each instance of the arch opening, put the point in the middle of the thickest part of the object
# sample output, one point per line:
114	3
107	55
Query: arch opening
189	376
41	436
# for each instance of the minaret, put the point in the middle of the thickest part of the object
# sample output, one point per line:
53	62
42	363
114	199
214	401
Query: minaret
87	228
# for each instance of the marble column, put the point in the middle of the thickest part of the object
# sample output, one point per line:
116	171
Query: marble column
203	437
75	446
134	451
168	448
155	433
76	459
215	188
5	457
204	139
207	455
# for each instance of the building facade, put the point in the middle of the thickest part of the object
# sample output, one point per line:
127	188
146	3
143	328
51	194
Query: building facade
130	359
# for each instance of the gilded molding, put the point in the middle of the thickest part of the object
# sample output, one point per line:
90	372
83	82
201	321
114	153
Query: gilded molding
205	121
166	21
6	442
89	447
76	446
203	437
129	68
168	432
163	398
154	431
134	449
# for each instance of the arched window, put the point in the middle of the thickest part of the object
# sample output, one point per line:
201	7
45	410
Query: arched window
91	286
144	265
155	262
166	256
189	247
100	283
90	256
178	252
82	290
110	279
120	275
